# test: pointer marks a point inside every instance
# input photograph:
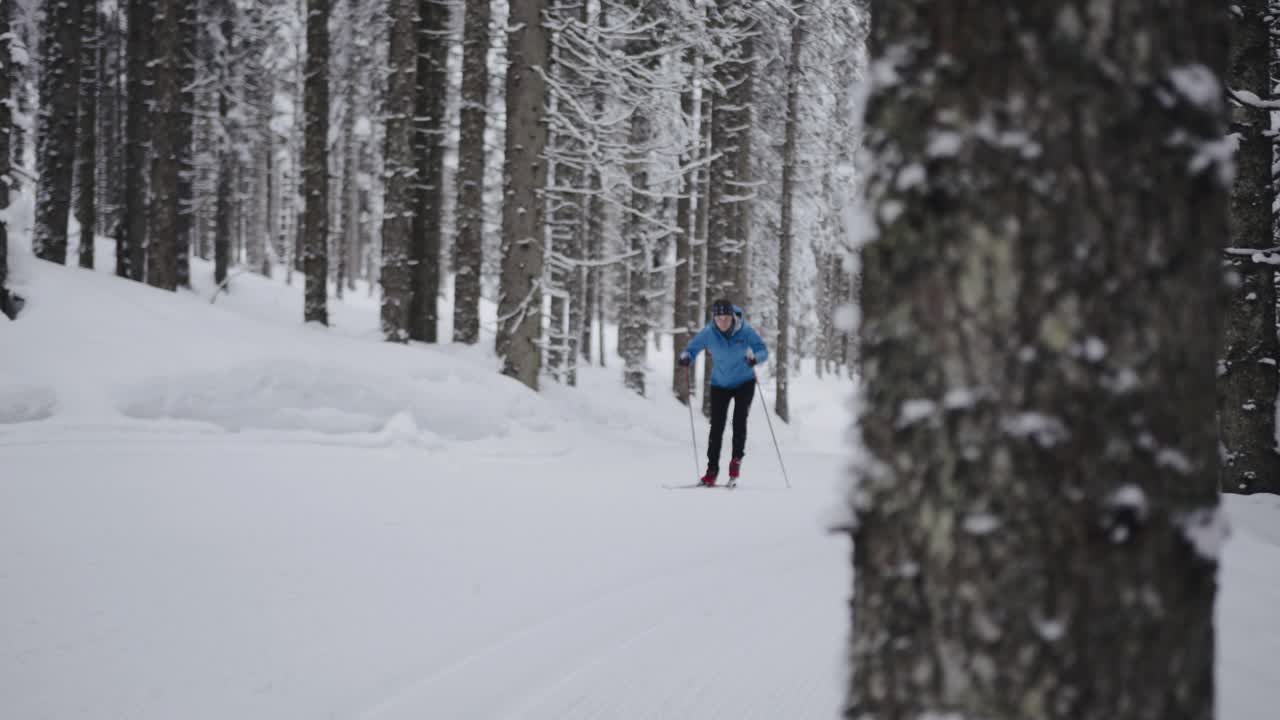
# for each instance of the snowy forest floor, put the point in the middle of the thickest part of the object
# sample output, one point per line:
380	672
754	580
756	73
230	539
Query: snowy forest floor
212	511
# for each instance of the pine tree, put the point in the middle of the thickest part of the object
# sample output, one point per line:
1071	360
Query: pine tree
111	145
224	212
637	232
1037	514
787	235
729	131
683	319
166	78
469	240
519	339
428	149
56	135
188	51
316	164
1247	379
6	132
86	185
133	233
397	222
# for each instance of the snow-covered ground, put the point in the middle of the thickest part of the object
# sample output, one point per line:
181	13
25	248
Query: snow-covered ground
212	511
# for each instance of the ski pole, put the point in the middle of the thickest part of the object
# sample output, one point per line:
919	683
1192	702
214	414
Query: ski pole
693	435
775	437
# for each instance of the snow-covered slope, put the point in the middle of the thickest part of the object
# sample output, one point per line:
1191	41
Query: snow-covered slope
211	511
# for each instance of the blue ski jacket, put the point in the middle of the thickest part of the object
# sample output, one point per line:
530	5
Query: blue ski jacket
729	351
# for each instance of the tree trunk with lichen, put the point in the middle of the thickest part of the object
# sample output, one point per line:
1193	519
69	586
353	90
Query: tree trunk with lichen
315	250
1247	373
397	219
469	240
1037	515
519	337
6	137
56	128
428	153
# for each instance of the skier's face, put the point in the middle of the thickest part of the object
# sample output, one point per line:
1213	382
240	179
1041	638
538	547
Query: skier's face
724	322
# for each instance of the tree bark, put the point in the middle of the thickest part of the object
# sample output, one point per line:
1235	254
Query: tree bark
162	245
786	241
87	133
109	194
347	195
682	317
189	50
1247	375
634	322
56	133
1037	514
432	79
743	98
23	73
519	340
729	130
316	164
225	217
703	220
397	222
593	241
137	132
469	240
6	137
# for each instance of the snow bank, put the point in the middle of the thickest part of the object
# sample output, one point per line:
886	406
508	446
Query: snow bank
94	348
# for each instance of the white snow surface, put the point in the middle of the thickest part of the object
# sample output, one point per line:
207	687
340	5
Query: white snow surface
212	511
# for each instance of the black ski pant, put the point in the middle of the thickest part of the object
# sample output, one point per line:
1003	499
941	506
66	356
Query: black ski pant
720	397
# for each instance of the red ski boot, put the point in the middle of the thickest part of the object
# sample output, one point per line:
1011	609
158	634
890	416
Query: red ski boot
709	480
735	469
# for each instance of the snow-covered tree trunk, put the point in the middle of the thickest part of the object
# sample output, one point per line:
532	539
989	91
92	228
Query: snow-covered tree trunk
397	220
593	215
6	135
428	148
569	154
187	59
86	156
109	195
1036	515
56	133
702	254
786	238
469	238
634	321
137	139
348	198
683	321
594	242
225	211
519	340
22	44
162	230
315	171
740	182
728	137
1247	375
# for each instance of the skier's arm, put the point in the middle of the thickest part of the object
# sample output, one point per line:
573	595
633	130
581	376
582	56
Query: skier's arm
696	345
757	346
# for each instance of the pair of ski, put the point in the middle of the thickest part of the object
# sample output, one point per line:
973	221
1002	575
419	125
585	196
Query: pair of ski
733	483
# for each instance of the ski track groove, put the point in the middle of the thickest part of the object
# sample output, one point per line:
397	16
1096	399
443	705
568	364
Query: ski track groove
669	590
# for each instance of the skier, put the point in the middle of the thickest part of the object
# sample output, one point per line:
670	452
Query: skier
735	350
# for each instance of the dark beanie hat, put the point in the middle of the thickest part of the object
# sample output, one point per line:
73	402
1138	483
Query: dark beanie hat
721	307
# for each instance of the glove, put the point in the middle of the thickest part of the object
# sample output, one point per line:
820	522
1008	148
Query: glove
751	358
685	359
